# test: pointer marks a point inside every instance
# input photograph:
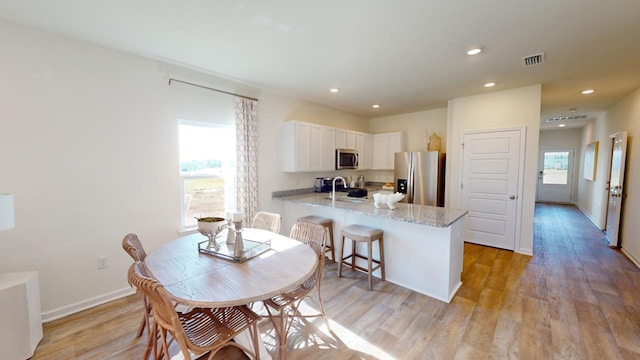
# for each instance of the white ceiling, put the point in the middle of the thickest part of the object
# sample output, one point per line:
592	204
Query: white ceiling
406	55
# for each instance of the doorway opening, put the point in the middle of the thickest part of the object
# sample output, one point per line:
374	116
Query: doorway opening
555	177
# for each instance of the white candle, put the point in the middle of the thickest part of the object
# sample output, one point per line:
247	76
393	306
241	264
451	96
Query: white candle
229	216
237	216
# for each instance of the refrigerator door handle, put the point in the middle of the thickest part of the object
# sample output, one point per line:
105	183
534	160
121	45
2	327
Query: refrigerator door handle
410	183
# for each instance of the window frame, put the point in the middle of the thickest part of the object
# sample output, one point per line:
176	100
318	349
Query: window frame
228	204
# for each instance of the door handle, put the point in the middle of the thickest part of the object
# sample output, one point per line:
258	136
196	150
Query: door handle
512	197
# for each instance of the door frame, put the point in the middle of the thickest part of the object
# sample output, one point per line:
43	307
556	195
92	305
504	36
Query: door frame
570	180
520	181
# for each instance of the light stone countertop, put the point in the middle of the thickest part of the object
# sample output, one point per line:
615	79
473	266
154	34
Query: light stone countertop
419	214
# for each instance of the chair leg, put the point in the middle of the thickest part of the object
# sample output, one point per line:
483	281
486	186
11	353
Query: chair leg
323	311
152	342
353	255
143	324
330	230
280	329
381	244
341	255
370	264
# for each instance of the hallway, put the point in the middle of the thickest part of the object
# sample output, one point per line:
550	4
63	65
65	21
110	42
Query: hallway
585	285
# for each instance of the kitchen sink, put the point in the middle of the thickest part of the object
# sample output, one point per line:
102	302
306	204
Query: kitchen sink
349	199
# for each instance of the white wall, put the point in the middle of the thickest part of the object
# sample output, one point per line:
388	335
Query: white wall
565	139
498	110
88	145
592	195
623	116
415	126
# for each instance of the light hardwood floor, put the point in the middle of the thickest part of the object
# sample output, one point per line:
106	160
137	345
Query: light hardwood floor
575	299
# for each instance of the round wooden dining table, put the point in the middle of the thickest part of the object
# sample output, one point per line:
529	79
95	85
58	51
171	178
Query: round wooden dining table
202	280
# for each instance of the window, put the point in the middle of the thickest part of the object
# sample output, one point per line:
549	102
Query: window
207	170
556	165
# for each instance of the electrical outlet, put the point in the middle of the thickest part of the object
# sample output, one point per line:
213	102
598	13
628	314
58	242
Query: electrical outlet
103	262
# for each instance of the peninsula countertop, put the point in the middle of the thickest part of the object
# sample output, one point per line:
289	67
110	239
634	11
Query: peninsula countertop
419	214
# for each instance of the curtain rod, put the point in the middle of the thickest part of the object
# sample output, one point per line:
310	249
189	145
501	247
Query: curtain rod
208	88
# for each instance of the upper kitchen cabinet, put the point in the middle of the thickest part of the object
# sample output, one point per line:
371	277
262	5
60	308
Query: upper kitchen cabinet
384	147
329	149
341	139
363	143
307	147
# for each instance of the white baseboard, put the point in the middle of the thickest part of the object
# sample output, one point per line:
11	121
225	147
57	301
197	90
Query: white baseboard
58	313
524	252
588	216
631	257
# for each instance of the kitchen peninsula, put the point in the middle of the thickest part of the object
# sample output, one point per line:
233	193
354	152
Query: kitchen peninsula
423	244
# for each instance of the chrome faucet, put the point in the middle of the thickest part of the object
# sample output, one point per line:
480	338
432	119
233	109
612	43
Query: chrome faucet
333	194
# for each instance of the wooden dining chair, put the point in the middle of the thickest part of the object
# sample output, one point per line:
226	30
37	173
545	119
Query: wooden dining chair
132	245
283	308
267	221
197	331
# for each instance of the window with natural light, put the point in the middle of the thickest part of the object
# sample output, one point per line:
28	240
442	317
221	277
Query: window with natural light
207	170
556	168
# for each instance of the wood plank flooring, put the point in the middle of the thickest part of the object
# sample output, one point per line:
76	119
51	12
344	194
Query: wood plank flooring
575	299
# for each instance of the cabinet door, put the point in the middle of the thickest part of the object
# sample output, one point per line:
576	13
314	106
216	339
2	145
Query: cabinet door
359	145
302	146
351	140
329	149
341	139
316	145
368	152
380	151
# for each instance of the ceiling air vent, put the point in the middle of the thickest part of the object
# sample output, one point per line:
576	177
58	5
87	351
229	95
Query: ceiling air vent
564	118
533	60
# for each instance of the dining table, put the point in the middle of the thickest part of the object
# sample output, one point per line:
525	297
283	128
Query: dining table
198	279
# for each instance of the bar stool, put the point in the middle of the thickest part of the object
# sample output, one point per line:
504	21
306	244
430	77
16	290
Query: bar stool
328	225
366	234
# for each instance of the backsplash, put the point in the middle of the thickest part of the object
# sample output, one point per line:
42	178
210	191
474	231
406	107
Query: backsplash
369	185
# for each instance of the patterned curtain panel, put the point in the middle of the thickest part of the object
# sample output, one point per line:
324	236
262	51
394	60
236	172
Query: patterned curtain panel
247	157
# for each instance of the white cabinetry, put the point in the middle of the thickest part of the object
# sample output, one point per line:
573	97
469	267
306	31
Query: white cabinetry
20	320
351	140
384	147
311	147
307	147
341	139
329	149
367	161
364	150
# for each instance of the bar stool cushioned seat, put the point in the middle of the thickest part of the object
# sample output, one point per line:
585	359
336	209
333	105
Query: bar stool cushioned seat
359	233
328	224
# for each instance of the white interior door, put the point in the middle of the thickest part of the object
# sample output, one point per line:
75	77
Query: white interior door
490	168
555	177
616	187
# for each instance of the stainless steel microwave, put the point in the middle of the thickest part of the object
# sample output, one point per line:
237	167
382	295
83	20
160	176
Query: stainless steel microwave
346	159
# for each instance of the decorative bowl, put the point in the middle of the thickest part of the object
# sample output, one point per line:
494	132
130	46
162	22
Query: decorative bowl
211	227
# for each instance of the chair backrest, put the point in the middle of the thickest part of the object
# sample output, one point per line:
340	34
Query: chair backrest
267	221
312	235
164	311
132	245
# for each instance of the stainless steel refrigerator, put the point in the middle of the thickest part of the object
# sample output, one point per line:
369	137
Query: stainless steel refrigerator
420	176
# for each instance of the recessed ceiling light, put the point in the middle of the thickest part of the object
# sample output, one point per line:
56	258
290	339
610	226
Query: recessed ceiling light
489	84
573	110
588	91
375	106
334	90
474	51
562	125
